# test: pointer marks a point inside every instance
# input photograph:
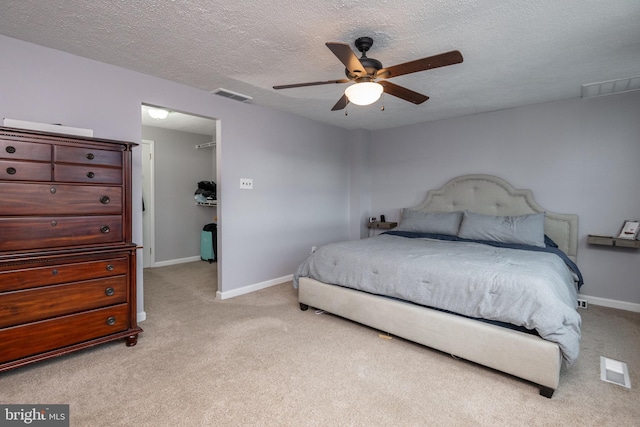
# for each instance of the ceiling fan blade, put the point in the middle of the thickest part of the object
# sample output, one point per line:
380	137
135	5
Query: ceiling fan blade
441	60
347	57
342	103
403	92
311	84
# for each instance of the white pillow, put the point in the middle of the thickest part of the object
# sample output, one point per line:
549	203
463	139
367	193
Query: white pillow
523	229
430	222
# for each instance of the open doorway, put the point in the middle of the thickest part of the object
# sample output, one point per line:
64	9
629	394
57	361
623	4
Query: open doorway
178	151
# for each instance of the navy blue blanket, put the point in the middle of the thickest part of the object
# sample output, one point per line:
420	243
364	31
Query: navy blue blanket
550	247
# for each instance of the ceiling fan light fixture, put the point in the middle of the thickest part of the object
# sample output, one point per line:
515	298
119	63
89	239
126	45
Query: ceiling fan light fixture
364	93
364	71
158	113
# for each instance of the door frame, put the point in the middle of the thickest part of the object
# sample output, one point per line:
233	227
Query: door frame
148	220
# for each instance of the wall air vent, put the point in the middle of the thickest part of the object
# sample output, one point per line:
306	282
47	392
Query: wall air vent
231	95
610	87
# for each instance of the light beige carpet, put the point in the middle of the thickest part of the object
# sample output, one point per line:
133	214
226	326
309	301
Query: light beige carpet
257	360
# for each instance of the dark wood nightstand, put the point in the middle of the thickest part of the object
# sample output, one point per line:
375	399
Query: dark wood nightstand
382	225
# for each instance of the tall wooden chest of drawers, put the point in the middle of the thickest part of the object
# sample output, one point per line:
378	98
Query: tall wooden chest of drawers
67	263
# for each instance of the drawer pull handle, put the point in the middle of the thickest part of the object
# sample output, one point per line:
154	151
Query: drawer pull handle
11	171
11	149
105	200
54	223
90	156
110	267
109	292
53	190
90	174
105	229
111	321
54	272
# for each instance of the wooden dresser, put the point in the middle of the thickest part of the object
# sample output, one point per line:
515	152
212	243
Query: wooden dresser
67	263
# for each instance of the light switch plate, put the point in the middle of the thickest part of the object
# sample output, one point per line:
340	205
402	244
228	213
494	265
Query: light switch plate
246	184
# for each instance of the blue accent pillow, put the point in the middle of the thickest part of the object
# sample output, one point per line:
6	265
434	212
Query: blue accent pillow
430	222
549	242
523	229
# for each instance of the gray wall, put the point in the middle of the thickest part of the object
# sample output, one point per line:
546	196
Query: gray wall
299	198
359	183
578	156
178	168
299	167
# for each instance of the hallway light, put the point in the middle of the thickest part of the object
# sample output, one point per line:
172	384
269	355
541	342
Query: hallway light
158	113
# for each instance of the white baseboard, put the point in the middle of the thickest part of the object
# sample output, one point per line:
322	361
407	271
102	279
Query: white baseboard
252	288
176	261
612	303
141	316
605	302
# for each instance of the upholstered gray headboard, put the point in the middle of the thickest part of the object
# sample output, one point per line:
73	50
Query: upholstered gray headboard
490	195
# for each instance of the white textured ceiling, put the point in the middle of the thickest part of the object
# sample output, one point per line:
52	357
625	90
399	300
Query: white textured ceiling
516	52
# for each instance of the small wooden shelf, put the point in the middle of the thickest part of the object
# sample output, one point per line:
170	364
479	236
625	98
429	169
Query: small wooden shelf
384	225
613	241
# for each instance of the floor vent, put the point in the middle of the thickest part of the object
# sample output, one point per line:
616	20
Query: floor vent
231	95
613	371
610	87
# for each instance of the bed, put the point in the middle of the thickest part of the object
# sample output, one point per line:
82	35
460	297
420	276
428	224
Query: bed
395	281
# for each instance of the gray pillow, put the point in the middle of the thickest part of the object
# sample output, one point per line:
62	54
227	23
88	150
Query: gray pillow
430	222
523	229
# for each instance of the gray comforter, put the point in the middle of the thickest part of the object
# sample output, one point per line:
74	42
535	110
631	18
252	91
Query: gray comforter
531	289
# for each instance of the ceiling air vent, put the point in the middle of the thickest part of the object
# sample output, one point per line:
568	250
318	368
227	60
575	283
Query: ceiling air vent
231	95
610	87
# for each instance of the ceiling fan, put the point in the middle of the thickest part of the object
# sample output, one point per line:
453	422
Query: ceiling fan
365	71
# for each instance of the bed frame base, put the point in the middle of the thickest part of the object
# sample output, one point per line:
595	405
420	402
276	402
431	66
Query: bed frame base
523	355
546	391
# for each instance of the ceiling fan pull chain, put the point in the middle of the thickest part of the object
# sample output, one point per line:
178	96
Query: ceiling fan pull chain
382	109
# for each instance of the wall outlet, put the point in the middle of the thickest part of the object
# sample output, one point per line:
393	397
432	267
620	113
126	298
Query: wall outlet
246	184
582	303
